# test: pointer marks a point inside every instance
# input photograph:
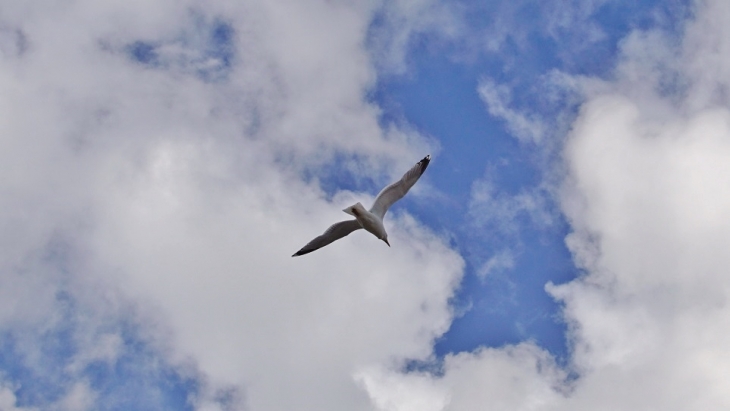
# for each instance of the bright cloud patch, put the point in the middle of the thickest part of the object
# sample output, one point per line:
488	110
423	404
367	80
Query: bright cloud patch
152	194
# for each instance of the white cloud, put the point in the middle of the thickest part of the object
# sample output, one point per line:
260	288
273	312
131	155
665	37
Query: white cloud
646	195
79	398
140	192
416	392
524	126
521	377
8	401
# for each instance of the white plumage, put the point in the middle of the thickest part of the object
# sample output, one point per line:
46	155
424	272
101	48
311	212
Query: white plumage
371	220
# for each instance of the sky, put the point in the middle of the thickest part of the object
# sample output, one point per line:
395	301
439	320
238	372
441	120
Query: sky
566	249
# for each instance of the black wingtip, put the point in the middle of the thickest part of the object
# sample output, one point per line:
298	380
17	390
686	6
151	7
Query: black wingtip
301	252
424	163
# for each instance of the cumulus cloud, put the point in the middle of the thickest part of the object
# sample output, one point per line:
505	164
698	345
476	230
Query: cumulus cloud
152	165
646	196
521	377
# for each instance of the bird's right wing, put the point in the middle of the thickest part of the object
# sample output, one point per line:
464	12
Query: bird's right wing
335	232
397	190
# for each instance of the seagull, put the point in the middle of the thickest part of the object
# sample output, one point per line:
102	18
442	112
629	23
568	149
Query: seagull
371	220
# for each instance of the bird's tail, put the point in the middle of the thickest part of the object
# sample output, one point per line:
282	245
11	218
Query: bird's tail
354	210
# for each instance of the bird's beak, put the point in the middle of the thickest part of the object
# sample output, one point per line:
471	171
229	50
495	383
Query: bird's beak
386	241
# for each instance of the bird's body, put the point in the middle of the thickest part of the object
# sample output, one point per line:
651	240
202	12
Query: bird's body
368	221
371	220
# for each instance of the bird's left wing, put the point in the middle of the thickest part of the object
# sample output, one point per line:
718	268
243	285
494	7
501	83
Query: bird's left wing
335	232
397	190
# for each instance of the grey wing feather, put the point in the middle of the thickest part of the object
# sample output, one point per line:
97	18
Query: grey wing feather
335	232
397	190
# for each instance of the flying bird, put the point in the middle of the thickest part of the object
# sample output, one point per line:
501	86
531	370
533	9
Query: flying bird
371	220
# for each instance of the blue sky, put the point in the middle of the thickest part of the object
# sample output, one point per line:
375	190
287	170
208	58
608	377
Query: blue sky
438	96
162	161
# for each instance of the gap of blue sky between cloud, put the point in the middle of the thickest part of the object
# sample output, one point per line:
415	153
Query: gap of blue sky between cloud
440	96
